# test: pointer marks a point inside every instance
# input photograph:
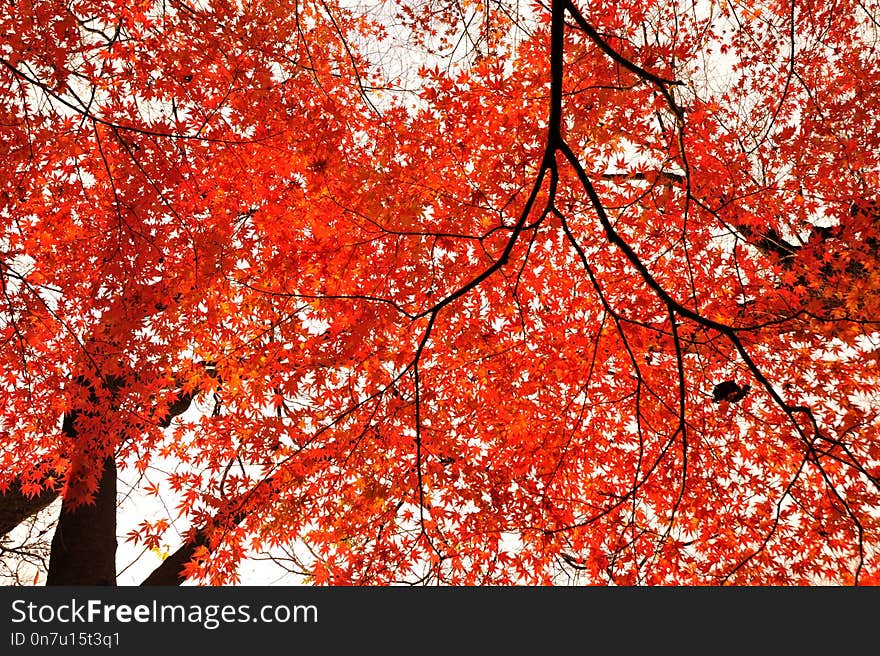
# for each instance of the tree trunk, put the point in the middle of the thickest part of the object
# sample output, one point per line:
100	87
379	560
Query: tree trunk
84	544
170	572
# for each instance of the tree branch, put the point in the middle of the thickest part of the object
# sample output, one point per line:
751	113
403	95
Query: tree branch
16	506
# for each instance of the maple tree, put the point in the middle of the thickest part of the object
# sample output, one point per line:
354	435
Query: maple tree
576	292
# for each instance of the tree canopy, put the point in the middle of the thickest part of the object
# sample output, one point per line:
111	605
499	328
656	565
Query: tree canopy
445	291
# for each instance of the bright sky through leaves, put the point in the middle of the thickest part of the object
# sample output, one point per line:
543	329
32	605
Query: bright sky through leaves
448	292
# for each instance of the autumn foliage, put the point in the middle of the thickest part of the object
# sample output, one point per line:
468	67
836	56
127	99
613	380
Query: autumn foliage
457	293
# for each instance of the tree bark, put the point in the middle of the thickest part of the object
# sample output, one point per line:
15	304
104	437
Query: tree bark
84	544
170	572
